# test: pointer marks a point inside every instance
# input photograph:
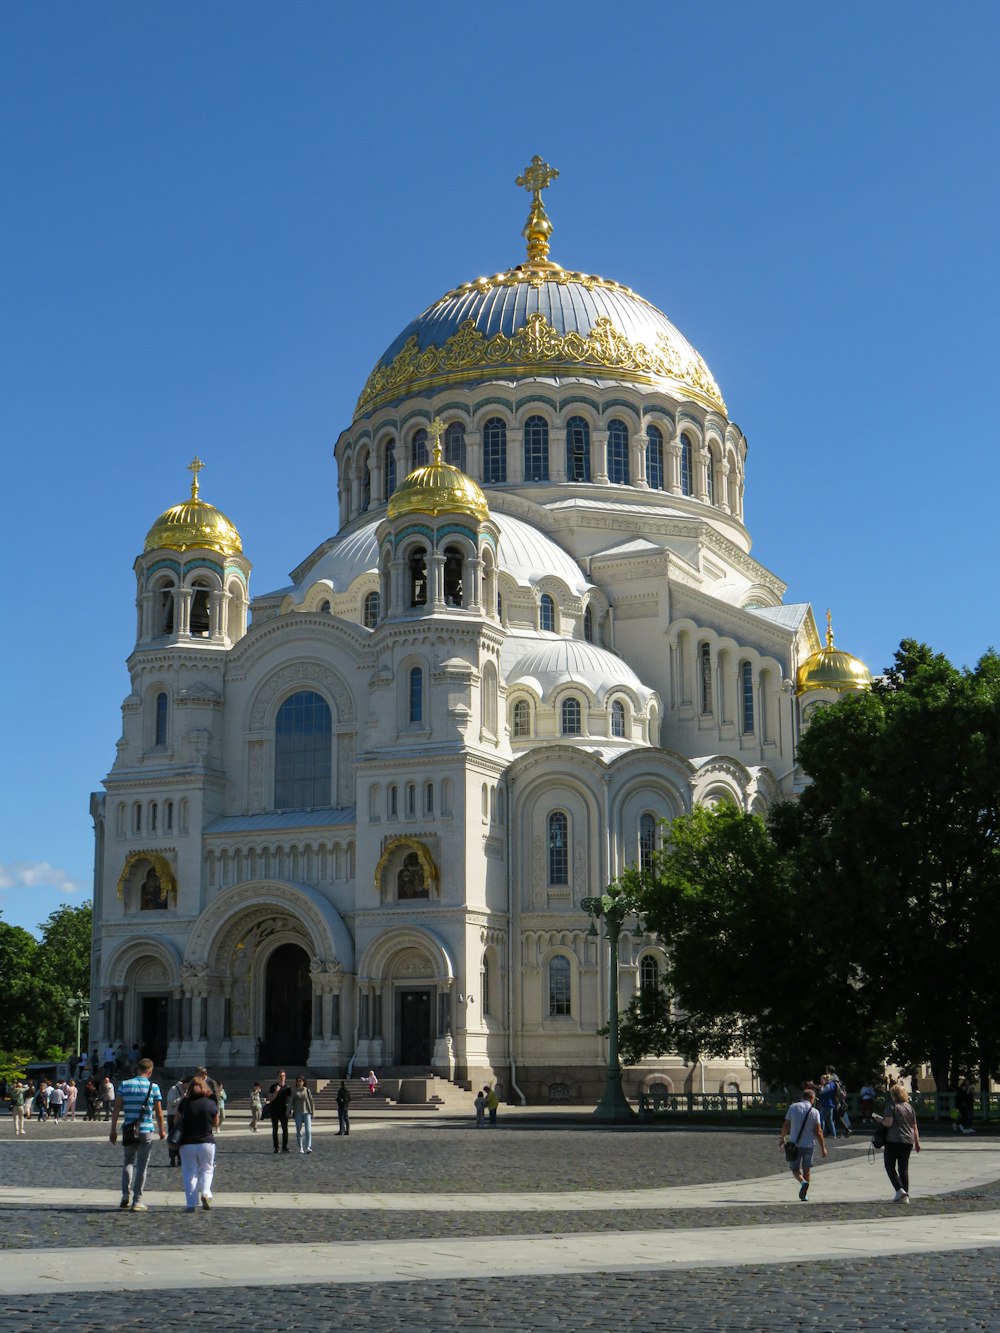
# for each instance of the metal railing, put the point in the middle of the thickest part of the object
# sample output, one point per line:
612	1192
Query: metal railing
770	1105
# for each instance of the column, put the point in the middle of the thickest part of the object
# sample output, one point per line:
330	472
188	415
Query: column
375	467
474	596
701	478
599	455
182	610
722	487
474	454
216	620
672	463
557	453
515	456
398	594
637	459
435	581
317	1019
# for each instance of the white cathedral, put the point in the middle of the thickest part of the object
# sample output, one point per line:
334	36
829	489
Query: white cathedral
353	819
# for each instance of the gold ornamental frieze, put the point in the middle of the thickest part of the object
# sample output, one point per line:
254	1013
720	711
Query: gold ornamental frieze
533	347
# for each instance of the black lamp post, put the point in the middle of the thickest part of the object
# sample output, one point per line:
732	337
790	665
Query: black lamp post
612	909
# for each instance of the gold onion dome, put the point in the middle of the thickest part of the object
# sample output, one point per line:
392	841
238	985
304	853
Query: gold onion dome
830	668
538	319
438	488
194	523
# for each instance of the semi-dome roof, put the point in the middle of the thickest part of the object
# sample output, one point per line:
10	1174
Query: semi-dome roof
438	488
538	319
193	523
547	662
830	668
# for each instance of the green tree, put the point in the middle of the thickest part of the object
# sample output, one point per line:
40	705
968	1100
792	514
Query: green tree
21	988
41	979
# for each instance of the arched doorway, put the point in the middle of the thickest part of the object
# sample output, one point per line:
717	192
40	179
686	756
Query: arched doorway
287	1007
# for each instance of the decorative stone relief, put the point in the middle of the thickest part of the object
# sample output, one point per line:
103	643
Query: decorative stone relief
301	673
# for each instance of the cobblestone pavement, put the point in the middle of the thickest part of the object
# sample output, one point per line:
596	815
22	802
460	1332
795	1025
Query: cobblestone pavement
928	1291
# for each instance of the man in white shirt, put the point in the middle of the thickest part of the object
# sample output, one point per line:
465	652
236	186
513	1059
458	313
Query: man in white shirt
802	1127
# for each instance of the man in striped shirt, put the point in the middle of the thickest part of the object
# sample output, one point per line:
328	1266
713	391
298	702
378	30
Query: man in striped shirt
139	1099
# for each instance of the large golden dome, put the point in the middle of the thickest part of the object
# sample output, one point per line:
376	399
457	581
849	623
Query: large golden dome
193	523
830	668
438	488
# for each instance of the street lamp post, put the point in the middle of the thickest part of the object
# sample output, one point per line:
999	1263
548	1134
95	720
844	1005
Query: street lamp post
612	909
82	1012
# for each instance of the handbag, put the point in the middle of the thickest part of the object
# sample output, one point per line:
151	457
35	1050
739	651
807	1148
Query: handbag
792	1149
881	1132
130	1129
175	1134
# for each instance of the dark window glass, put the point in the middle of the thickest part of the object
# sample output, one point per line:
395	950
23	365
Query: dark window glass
570	717
618	452
494	451
588	625
418	448
453	594
390	468
686	464
522	718
746	697
577	450
654	458
418	578
162	704
416	694
485	997
649	974
536	449
303	739
558	848
710	476
559	989
454	445
618	718
366	487
647	841
705	658
371	610
546	613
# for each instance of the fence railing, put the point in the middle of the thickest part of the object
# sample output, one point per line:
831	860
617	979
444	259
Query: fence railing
769	1105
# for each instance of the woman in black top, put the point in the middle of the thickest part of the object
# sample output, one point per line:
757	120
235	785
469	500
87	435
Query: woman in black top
197	1115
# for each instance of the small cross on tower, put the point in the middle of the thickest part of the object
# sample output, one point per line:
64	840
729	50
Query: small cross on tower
536	177
194	467
436	433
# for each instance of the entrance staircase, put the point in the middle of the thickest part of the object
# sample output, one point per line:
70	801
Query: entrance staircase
402	1089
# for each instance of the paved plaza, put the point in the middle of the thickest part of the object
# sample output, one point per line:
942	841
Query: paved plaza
544	1222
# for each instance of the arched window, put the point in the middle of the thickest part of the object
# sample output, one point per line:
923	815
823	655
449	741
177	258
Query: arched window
746	697
416	699
546	612
536	449
454	445
453	592
647	841
686	464
418	448
649	975
560	1002
588	625
326	607
392	801
411	800
522	718
200	621
618	452
428	798
705	667
494	451
577	450
570	716
486	987
366	486
389	467
167	609
418	577
371	610
303	738
617	718
654	458
160	733
168	817
710	477
558	848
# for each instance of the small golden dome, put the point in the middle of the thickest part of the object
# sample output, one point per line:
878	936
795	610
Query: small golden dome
194	523
438	488
832	669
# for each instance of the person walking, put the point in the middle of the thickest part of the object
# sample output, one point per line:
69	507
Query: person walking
198	1116
802	1129
17	1106
303	1110
827	1101
72	1093
256	1105
343	1109
108	1097
139	1102
57	1099
221	1097
902	1137
280	1096
372	1082
175	1095
480	1105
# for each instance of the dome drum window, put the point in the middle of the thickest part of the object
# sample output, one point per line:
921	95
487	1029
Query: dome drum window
494	452
654	458
618	462
570	716
577	450
536	449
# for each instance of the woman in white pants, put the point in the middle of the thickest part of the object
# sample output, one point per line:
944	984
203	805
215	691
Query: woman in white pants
198	1117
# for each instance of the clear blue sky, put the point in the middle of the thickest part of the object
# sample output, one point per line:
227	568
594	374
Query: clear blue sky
217	216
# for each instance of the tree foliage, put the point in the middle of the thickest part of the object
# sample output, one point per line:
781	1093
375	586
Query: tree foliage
858	922
41	979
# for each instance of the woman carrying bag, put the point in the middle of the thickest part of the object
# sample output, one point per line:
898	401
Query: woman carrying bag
196	1119
899	1120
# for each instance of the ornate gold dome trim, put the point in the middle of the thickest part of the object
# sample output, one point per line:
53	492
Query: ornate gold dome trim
535	347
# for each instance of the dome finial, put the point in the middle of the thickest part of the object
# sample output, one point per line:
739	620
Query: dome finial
829	628
436	431
537	176
194	467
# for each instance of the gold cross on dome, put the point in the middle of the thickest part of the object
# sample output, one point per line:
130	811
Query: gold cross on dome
829	628
537	176
194	467
436	432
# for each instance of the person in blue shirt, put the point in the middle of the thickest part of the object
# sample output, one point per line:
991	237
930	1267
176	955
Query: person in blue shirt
139	1103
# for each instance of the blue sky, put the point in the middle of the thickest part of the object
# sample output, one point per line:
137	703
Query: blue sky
217	217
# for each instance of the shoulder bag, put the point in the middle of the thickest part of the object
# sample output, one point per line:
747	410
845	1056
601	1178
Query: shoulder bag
881	1131
792	1149
130	1129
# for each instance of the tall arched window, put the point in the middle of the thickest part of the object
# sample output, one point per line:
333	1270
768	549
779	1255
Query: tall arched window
570	716
416	696
418	577
577	450
710	477
560	1000
160	731
453	565
200	616
618	471
647	841
746	697
546	613
494	451
366	486
522	718
705	668
536	449
303	738
389	467
558	848
371	610
686	464
166	609
418	448
588	625
617	718
485	997
649	975
654	458
454	445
